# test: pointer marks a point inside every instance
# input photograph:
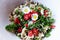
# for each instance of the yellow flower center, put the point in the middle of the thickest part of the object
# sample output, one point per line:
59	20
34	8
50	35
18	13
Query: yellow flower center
34	16
26	10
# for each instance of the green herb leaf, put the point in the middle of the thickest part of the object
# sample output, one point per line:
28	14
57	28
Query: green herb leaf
11	27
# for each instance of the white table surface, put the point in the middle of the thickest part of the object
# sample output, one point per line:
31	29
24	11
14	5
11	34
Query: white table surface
6	6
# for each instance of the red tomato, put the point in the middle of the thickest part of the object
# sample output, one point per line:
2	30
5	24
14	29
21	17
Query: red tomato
26	16
52	26
45	13
30	15
19	30
34	12
26	25
30	33
35	32
17	21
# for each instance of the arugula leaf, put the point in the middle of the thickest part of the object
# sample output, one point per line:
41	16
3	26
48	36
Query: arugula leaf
11	27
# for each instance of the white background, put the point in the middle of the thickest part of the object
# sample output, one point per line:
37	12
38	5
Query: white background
6	6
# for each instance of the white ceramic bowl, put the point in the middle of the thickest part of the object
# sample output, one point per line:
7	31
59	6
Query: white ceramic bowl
6	6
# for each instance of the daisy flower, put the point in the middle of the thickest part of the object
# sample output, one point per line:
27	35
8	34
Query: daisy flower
26	10
34	17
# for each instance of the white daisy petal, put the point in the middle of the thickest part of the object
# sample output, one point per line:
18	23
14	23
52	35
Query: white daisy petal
30	22
34	17
41	35
21	6
18	34
26	10
42	11
32	5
